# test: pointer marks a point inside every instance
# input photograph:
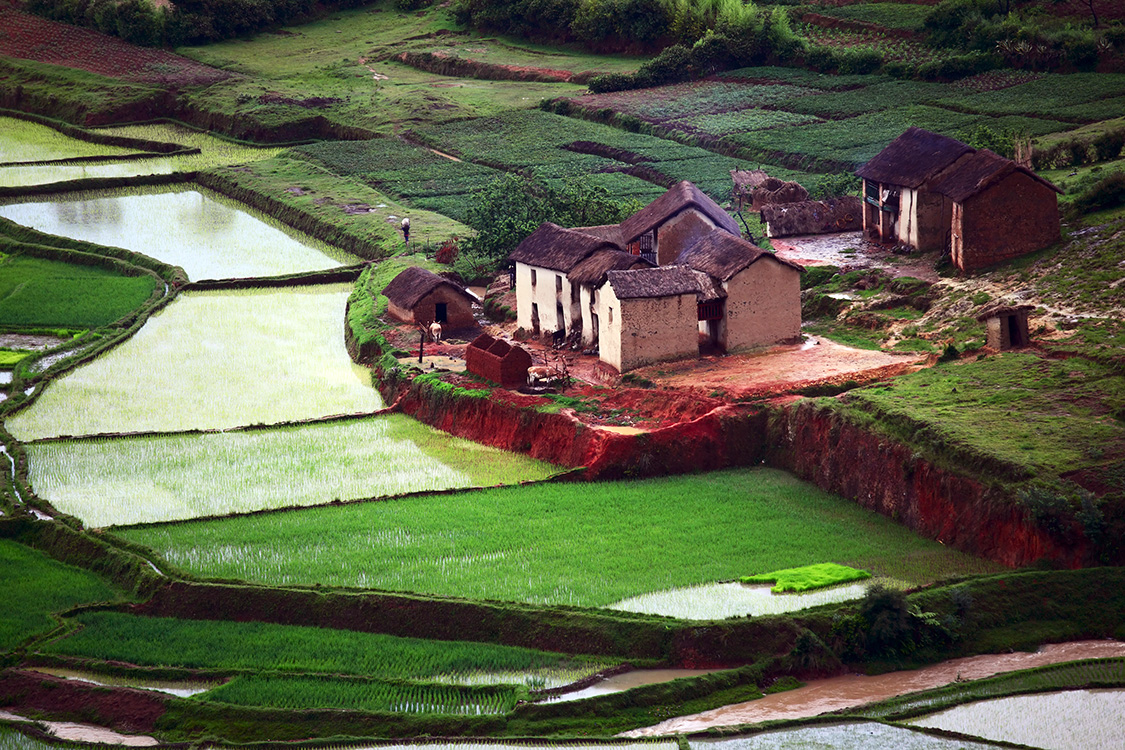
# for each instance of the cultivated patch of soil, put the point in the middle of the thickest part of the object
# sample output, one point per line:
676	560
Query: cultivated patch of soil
29	37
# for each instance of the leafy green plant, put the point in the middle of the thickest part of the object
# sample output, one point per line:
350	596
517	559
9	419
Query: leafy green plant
808	577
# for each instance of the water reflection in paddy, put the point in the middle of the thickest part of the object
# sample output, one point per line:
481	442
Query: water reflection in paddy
716	601
857	736
1088	719
213	360
626	681
208	236
179	688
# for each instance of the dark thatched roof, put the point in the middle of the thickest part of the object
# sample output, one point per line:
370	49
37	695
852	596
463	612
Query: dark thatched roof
710	289
679	197
591	271
912	158
665	281
977	171
414	283
611	232
551	246
748	179
723	255
814	217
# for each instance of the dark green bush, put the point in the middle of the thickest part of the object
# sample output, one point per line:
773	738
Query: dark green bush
858	61
1107	192
673	65
611	82
1108	145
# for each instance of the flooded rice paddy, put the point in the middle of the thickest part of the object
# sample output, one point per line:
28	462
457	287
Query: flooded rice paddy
626	681
853	736
68	730
850	691
716	601
1088	719
175	477
23	141
208	236
178	688
213	360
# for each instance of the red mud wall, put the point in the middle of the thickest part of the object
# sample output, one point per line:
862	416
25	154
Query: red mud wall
817	445
730	436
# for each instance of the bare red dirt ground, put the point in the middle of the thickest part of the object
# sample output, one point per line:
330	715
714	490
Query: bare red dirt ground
29	37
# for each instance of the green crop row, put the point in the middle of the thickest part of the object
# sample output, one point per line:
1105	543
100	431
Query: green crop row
873	98
741	121
1051	96
685	99
363	695
262	647
44	293
33	586
800	77
890	15
561	543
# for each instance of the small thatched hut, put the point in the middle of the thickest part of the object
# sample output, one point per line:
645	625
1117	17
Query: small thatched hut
422	297
1006	326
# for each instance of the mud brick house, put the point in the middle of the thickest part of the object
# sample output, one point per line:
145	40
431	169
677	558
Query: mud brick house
586	283
649	315
932	192
759	294
422	297
672	222
1006	326
498	361
753	189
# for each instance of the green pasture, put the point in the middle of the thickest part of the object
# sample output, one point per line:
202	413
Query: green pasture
264	647
346	63
891	15
299	692
1078	97
71	94
21	140
213	360
35	292
1038	414
172	477
561	543
208	235
33	586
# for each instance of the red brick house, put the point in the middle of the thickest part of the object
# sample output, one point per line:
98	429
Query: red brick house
932	192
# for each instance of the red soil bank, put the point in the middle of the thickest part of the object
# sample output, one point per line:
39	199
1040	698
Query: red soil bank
124	709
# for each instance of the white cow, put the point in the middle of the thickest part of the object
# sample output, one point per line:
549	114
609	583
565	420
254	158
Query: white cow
435	331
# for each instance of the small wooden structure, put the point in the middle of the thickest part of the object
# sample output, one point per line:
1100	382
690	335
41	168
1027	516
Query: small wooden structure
497	360
1007	326
421	297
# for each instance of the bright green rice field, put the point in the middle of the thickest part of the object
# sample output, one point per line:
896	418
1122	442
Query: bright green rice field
172	477
562	543
32	586
21	140
35	292
213	360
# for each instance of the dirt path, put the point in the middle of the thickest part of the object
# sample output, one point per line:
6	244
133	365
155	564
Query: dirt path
838	693
780	369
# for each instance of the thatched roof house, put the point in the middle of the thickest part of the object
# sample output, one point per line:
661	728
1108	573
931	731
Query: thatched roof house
422	297
674	221
557	248
932	192
591	271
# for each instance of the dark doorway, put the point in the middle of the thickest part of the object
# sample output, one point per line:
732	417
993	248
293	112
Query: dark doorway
441	313
1016	336
535	319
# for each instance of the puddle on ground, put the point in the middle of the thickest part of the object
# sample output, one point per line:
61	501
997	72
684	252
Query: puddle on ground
1089	719
627	681
179	688
69	730
838	693
5	377
717	601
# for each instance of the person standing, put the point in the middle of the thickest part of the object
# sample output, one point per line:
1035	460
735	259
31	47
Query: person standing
406	230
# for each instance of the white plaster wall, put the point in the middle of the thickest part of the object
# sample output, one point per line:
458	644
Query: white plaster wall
609	326
763	306
588	306
543	293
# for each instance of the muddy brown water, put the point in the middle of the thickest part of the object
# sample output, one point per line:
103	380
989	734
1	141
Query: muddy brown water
628	680
69	730
838	693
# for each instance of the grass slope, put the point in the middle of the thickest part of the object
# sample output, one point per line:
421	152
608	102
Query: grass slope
562	544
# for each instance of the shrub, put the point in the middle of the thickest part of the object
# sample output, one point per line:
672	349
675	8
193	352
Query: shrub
888	620
673	65
1108	145
611	82
1107	192
858	61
